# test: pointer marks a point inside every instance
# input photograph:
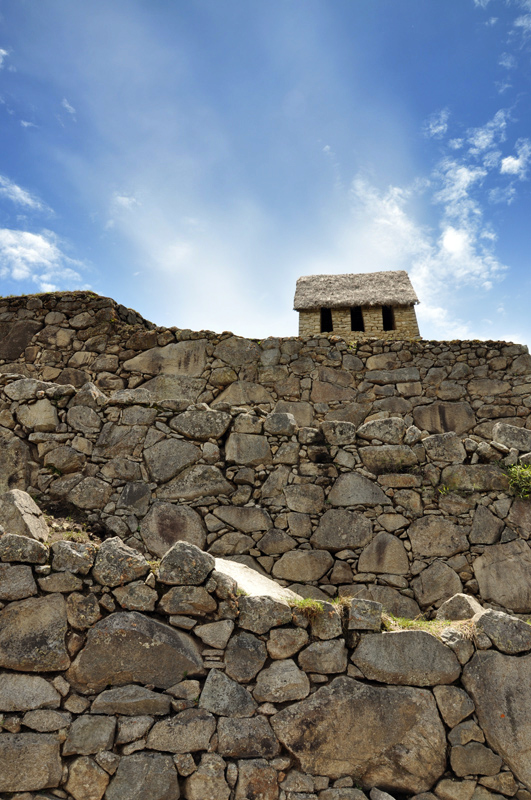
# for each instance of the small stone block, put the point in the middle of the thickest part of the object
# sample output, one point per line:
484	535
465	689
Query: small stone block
364	615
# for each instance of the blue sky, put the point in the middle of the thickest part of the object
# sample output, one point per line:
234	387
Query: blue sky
192	158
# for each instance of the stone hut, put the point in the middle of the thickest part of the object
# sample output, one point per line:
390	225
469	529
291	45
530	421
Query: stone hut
367	305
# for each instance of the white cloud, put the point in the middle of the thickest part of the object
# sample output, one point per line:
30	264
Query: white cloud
505	194
437	124
126	201
456	180
486	136
524	24
481	3
26	124
20	196
67	107
3	56
502	86
120	203
36	258
517	165
507	61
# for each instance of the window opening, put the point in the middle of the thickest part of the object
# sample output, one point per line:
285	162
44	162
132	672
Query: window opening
388	318
356	319
326	320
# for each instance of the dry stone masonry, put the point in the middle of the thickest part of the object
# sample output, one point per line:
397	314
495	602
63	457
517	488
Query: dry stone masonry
124	682
229	479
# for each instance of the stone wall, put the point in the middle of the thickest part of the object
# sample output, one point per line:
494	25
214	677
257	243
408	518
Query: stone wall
201	680
405	319
370	471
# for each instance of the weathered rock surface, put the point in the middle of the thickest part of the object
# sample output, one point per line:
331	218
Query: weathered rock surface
475	478
511	436
414	658
248	448
144	775
197	481
16	582
259	614
390	736
186	732
183	358
460	606
486	528
26	692
252	583
454	704
208	781
86	779
30	761
503	573
128	647
32	635
281	682
445	447
508	634
303	565
244	657
20	515
194	600
444	417
385	554
131	701
14	462
89	734
225	697
340	529
325	658
500	687
166	523
75	557
202	424
389	431
167	458
351	489
256	778
388	458
247	520
436	584
19	548
247	738
436	536
185	564
116	563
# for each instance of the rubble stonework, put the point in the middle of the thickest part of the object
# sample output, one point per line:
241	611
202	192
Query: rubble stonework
368	471
240	695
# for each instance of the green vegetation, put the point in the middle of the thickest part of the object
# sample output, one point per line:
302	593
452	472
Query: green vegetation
433	626
307	606
520	480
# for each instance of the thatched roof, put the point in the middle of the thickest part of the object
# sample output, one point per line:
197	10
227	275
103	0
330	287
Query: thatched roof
344	291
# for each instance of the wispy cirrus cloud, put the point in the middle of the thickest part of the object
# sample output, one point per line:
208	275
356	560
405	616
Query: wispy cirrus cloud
517	165
21	197
507	61
37	258
121	203
437	124
68	108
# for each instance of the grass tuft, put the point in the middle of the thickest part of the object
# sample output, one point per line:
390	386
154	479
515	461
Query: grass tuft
520	480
